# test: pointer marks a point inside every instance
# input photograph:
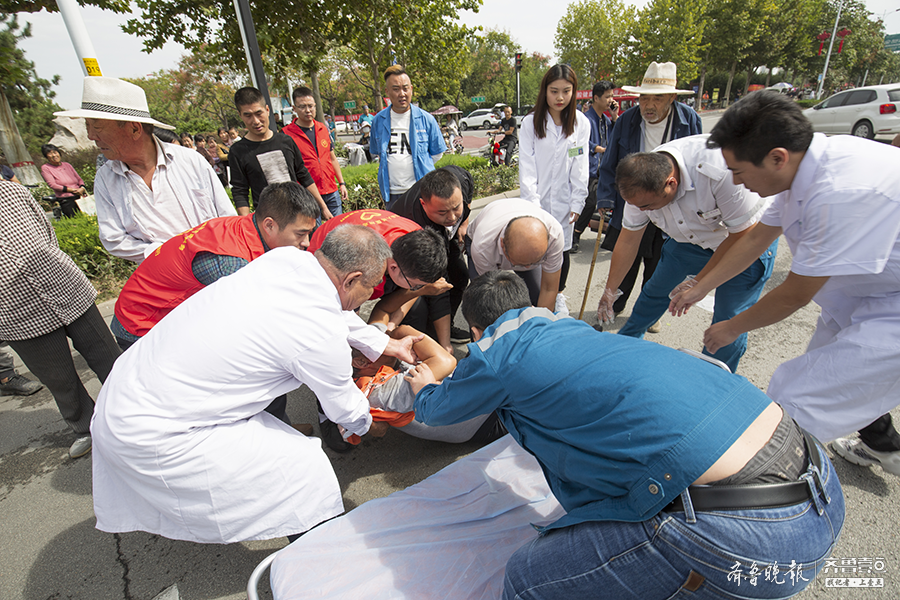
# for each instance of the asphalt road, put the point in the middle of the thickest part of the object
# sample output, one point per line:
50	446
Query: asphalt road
50	549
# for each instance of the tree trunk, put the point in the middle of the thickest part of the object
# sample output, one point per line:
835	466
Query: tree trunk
14	148
698	103
728	87
747	81
317	95
769	77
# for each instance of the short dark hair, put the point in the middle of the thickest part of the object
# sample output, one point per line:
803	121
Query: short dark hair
301	92
759	122
440	182
284	201
601	87
222	130
165	135
48	148
421	254
247	96
186	135
491	295
643	172
394	70
199	137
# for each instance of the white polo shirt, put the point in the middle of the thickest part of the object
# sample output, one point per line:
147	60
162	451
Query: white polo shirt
487	229
708	205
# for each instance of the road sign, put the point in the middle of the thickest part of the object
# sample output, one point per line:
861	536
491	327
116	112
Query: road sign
350	104
892	42
477	99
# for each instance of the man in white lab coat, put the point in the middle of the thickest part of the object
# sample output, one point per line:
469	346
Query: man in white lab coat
182	445
837	202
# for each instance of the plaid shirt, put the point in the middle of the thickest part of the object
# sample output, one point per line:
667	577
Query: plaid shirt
41	289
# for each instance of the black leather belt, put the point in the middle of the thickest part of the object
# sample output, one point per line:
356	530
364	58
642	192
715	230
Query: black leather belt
752	496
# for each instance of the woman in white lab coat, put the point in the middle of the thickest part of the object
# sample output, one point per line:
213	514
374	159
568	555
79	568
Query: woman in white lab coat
553	157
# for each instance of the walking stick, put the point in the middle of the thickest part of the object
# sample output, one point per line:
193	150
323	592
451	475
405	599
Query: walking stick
587	287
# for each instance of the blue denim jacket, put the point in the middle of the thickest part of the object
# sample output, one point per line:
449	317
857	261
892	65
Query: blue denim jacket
620	426
426	141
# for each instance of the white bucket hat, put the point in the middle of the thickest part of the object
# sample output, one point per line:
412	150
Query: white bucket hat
660	78
113	99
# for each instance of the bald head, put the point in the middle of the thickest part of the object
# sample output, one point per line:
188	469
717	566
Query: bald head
525	241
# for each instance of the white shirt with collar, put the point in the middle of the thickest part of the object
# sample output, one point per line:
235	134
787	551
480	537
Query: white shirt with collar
487	229
134	220
707	206
841	219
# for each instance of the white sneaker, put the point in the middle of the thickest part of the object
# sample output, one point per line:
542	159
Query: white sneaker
857	452
561	308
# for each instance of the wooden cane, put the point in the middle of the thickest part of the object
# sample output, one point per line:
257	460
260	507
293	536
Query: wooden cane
587	287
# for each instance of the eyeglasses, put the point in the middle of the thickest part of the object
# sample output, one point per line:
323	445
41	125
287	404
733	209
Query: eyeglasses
412	288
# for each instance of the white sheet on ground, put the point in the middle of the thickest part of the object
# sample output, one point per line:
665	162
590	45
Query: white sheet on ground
448	536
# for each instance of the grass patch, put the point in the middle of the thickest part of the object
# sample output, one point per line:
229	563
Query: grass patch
79	237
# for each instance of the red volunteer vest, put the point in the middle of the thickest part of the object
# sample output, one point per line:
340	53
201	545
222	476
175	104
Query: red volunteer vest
318	159
387	224
164	280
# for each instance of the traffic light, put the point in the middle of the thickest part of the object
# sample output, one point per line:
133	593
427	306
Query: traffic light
518	61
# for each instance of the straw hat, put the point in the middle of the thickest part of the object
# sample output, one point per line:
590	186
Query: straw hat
113	99
660	78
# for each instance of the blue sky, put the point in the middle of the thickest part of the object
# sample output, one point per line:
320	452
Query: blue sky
528	21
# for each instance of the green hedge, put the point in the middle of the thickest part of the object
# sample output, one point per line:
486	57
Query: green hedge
807	103
79	238
362	181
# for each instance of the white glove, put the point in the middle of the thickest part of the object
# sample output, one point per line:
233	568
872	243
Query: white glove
605	312
685	285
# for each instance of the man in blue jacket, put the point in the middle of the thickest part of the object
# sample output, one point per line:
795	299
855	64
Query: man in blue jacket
407	139
657	119
664	463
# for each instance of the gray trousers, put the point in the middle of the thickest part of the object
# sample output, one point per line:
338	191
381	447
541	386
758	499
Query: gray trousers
49	358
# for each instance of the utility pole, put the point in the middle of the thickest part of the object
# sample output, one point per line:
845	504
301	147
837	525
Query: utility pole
518	86
830	46
254	57
84	48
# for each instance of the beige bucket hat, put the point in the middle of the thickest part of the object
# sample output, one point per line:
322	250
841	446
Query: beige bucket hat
113	99
660	78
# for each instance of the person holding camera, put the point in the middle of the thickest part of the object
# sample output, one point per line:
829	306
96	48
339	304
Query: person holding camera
601	126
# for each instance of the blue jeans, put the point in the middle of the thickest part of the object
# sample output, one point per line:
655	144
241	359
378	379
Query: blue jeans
732	297
333	202
716	555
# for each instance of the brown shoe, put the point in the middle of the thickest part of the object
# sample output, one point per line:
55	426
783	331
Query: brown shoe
304	428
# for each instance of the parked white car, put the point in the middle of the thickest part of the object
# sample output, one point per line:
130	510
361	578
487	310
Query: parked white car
863	112
482	117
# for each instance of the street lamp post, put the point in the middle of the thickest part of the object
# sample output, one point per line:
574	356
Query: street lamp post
830	46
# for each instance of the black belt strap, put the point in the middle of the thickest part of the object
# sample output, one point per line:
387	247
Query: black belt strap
752	496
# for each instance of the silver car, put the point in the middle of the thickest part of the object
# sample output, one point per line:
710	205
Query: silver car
482	117
863	112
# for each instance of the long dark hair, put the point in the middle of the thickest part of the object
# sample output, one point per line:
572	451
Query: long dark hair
555	73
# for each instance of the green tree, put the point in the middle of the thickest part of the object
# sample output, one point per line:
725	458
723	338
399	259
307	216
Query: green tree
666	31
591	35
197	95
25	99
491	71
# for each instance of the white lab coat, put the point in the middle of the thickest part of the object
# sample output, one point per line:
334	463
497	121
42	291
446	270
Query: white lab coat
553	170
182	447
841	218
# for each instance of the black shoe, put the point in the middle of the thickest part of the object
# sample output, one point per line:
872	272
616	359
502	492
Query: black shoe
17	385
332	437
574	249
458	335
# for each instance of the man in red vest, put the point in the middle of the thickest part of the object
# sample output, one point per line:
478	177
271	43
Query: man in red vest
196	258
314	141
419	259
